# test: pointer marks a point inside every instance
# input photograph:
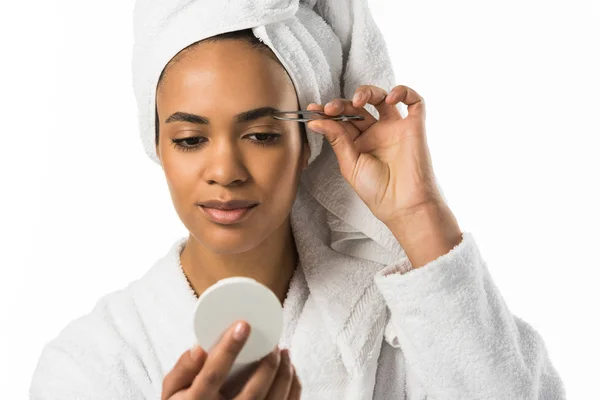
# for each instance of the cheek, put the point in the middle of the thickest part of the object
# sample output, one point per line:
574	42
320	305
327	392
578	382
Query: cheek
276	176
181	180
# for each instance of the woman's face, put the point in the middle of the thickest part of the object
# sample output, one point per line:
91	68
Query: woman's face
225	153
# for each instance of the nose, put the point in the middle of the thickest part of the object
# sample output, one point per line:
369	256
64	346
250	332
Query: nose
225	164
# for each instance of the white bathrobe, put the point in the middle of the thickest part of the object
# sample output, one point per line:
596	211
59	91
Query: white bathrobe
448	335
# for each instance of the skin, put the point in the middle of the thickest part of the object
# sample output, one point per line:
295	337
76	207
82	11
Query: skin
218	80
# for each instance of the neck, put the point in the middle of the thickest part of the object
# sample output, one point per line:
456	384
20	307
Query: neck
271	263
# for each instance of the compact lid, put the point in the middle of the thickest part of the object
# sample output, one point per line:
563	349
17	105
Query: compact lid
239	298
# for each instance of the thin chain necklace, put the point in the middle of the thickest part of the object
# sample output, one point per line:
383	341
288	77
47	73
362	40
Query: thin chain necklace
188	281
194	290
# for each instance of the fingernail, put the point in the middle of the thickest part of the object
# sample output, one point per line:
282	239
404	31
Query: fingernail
330	104
357	97
241	331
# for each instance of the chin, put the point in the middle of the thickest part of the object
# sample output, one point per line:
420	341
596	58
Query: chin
229	241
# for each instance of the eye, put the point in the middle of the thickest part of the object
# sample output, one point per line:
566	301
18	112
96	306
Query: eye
264	139
195	142
189	143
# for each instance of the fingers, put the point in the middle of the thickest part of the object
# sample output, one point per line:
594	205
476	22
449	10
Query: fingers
352	139
334	107
218	363
384	102
406	95
345	106
342	143
183	373
280	388
377	97
258	386
296	388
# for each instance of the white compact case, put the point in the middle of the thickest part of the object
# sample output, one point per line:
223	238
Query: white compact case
234	299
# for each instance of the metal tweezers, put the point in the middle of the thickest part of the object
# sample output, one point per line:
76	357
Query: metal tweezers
321	114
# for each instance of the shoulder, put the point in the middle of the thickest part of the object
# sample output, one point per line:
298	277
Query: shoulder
104	325
92	354
116	348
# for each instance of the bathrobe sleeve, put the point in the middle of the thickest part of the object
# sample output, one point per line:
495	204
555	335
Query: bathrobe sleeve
459	339
91	359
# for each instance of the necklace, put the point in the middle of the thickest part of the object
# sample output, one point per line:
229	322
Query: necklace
188	281
194	291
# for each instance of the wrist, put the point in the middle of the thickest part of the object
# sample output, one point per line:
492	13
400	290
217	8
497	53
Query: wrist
426	232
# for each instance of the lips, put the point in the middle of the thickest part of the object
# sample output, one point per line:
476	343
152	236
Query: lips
228	205
227	216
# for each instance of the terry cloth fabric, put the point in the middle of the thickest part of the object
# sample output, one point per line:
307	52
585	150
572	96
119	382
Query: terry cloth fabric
451	337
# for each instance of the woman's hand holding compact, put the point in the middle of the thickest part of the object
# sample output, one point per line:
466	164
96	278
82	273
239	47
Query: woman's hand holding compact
198	375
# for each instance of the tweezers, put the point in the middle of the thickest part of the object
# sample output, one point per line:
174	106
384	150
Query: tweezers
322	115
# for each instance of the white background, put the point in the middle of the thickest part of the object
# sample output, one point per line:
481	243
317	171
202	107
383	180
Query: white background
512	94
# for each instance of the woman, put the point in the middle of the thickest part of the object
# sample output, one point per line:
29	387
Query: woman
226	151
432	326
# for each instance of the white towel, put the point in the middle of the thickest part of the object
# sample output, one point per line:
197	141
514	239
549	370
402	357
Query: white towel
329	49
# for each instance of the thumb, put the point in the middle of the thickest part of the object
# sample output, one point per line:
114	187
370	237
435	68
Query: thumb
343	146
183	373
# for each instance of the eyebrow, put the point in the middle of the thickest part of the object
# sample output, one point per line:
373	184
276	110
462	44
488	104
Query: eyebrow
245	116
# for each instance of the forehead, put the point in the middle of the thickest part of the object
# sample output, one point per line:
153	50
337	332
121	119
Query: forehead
225	71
